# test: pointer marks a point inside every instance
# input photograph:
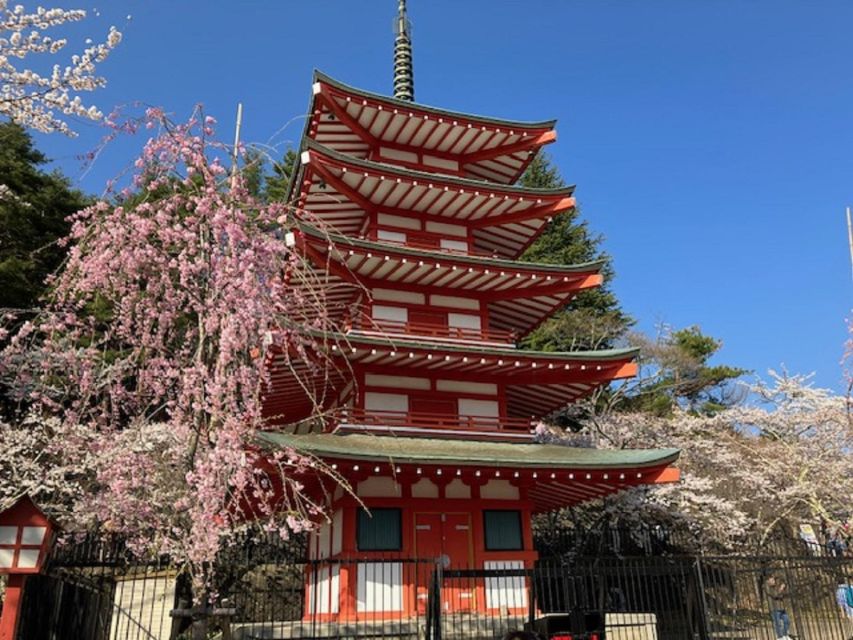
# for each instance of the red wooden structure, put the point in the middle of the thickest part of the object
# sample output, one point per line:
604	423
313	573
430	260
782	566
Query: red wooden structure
412	223
25	536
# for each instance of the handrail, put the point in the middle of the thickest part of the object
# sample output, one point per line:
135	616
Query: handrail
435	420
438	331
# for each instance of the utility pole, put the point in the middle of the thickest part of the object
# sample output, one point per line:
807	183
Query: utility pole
234	153
850	240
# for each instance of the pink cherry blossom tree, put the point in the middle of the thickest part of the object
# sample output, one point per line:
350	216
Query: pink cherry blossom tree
150	362
45	100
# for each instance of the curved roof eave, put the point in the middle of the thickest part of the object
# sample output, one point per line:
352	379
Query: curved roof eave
414	174
510	265
319	76
466	452
509	352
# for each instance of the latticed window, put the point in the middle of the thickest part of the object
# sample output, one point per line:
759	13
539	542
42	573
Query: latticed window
503	530
379	530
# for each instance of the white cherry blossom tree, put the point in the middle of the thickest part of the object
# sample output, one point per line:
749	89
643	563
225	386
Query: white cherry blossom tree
45	100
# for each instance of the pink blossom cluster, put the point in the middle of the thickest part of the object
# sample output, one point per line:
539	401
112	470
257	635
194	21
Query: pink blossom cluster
174	298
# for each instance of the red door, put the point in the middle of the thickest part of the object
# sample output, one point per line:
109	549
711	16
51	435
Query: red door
445	537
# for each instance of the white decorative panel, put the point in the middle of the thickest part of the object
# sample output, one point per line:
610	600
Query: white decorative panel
398	382
392	295
499	490
391	236
378	487
448	229
384	312
398	221
424	488
484	388
374	401
505	592
324	589
455	302
6	558
453	245
8	535
380	586
484	408
464	321
457	490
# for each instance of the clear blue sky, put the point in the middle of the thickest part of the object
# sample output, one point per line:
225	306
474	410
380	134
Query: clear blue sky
711	141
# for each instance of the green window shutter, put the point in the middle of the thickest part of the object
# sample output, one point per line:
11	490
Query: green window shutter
379	530
503	530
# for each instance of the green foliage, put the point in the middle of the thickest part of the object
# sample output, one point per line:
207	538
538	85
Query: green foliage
253	172
34	206
276	183
681	375
594	319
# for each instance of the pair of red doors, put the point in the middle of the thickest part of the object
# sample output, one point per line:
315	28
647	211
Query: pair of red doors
445	537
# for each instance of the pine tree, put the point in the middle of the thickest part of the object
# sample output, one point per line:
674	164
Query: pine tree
34	206
594	319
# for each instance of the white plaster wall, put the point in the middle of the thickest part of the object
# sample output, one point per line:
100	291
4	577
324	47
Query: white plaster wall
392	295
483	388
424	488
505	592
499	489
457	490
378	487
380	586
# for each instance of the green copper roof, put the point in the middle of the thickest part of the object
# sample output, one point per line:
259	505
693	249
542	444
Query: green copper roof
407	105
464	452
474	348
424	176
498	263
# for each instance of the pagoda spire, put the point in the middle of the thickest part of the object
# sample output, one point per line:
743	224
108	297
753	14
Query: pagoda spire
404	82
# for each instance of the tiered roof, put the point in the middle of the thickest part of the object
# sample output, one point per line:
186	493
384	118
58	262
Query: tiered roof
381	182
368	125
344	192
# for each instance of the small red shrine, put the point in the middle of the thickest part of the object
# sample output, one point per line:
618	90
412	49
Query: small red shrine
412	219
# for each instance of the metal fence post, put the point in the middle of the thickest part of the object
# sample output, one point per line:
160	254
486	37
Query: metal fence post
701	601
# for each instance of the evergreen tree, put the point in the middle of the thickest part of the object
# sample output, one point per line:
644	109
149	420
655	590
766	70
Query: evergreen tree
275	184
34	206
594	319
675	372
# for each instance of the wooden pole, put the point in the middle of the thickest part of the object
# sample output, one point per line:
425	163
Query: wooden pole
12	607
850	240
234	153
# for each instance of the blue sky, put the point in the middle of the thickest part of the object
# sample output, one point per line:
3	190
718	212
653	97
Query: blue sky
711	141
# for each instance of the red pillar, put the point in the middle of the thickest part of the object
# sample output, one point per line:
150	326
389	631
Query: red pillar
12	606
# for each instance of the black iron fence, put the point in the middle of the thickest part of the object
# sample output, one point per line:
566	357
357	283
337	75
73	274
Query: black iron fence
95	591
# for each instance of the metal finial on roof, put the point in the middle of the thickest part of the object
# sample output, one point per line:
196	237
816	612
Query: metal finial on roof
404	81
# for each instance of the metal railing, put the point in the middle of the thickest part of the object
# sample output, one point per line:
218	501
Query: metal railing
425	420
270	591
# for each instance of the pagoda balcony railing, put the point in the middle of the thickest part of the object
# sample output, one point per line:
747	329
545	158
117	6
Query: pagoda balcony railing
437	331
424	420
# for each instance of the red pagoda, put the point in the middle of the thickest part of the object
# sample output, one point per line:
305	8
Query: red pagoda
412	219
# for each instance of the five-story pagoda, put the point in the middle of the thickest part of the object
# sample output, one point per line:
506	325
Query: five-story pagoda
411	219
